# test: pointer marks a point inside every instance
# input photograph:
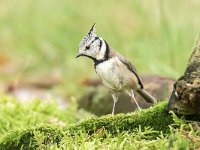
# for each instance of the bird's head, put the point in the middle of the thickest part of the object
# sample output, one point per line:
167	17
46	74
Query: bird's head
91	45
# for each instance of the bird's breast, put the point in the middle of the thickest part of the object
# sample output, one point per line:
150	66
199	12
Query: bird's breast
114	75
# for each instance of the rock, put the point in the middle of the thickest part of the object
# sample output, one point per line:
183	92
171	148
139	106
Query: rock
185	98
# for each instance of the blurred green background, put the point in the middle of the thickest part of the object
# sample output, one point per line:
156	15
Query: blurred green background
40	38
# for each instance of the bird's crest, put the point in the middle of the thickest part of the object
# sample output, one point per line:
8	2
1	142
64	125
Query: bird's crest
89	35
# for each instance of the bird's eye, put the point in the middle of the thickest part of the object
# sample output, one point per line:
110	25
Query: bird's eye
87	47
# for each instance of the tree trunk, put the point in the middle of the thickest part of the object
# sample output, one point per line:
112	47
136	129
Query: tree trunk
185	98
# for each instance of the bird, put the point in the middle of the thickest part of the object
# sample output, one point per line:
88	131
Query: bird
116	72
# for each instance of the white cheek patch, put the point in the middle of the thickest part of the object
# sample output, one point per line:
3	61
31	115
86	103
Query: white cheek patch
101	53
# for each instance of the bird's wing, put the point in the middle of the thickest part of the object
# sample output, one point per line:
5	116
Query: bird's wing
131	68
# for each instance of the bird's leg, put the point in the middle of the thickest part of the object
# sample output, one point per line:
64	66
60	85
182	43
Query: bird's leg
133	100
115	98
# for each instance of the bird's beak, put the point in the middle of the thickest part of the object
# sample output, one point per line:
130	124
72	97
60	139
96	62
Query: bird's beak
79	55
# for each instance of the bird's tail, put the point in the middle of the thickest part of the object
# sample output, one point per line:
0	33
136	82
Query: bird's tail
147	97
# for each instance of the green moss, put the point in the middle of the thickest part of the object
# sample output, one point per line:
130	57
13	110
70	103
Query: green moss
32	138
135	130
18	115
39	136
155	117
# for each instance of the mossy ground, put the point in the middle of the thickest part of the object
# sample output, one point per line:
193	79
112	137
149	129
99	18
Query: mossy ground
152	128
